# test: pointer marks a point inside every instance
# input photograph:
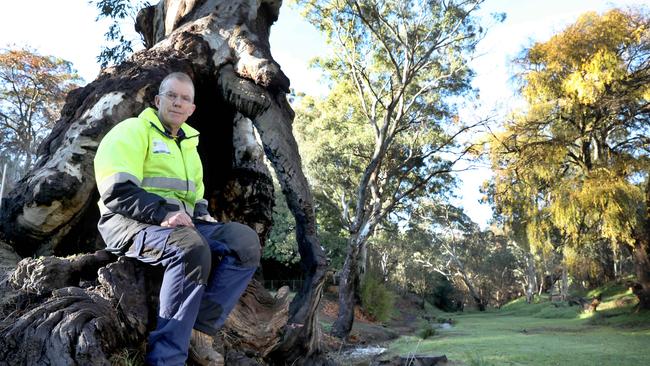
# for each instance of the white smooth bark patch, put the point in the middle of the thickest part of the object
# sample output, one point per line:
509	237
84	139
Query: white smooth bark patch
247	147
103	108
171	15
43	218
217	42
73	143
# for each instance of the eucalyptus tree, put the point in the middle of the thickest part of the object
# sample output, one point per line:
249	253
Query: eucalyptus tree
483	262
120	43
580	150
396	67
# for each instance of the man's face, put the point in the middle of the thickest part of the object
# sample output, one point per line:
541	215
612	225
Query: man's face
175	103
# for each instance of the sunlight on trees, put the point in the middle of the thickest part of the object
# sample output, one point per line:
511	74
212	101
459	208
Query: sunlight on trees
33	88
390	114
571	169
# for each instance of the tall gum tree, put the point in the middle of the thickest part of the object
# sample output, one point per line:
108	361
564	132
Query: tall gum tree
580	150
395	68
79	315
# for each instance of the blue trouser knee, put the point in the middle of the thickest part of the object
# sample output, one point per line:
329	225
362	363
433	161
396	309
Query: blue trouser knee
186	258
239	248
185	301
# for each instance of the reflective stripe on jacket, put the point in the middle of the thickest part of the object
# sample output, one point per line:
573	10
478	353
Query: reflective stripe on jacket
143	173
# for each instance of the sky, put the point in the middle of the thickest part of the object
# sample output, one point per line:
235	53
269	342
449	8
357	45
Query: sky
67	29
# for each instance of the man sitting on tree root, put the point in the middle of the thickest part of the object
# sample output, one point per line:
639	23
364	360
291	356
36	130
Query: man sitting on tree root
150	178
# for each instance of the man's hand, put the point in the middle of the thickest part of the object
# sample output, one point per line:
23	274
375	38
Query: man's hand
206	218
177	218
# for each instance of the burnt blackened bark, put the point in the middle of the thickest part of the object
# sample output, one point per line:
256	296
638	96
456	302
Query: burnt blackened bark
348	288
272	117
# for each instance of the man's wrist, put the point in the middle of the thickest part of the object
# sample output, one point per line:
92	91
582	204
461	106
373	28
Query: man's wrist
160	215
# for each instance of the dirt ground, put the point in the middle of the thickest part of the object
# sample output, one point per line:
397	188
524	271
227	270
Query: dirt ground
369	335
367	331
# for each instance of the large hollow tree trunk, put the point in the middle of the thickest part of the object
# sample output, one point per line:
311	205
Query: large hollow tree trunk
223	45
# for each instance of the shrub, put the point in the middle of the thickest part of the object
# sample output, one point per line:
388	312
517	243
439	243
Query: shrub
427	332
376	298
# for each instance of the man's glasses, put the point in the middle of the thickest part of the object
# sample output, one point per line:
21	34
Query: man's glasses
173	97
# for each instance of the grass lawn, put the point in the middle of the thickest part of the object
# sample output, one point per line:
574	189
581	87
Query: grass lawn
540	334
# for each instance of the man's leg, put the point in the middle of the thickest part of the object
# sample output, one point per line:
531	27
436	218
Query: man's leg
240	249
186	258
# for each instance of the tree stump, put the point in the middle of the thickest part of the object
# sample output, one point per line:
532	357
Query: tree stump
595	302
61	311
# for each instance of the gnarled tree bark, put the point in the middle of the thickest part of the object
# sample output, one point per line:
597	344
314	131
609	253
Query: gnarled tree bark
77	319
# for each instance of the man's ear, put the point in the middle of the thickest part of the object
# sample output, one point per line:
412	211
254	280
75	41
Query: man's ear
156	101
192	110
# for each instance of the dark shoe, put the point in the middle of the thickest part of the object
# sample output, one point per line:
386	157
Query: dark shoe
201	350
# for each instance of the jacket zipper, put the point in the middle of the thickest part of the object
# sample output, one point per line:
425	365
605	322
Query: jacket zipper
178	144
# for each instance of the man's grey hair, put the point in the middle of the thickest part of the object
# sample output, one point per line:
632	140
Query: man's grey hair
180	76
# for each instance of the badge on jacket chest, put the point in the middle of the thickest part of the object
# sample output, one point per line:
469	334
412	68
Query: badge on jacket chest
160	147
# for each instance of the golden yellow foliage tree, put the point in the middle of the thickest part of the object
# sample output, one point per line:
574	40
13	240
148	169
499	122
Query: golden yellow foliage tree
574	164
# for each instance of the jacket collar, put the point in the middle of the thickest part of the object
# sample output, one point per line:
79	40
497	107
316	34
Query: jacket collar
150	115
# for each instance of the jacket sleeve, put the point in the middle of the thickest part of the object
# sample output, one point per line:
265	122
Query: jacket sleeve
119	170
201	208
201	204
127	199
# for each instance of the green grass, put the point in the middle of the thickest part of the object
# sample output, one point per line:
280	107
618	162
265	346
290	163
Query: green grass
525	340
128	357
542	333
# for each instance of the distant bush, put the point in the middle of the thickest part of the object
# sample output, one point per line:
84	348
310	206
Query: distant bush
327	327
430	309
376	298
477	360
520	307
427	332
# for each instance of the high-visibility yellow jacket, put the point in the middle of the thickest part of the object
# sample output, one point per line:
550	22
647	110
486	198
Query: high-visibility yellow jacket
143	173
